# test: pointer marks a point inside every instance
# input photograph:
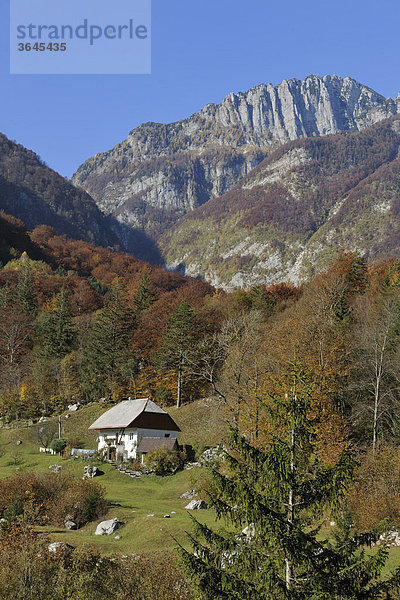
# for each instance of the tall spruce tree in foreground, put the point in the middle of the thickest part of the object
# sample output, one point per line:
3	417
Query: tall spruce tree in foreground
274	500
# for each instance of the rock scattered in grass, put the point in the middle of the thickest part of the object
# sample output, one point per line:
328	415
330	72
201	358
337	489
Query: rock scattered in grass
89	472
108	527
55	468
189	495
59	547
69	523
196	505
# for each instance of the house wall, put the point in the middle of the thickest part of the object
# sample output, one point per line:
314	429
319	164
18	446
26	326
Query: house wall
158	433
129	441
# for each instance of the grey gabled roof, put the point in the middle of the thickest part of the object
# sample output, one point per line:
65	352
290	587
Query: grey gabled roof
122	414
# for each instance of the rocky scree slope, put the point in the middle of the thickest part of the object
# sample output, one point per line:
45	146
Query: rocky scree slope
161	172
293	212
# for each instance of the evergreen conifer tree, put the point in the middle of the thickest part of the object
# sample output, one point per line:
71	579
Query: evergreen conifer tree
57	333
109	344
178	343
144	296
274	498
25	292
6	296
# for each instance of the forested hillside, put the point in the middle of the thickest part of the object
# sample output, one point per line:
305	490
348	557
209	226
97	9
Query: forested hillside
77	320
291	214
34	193
79	324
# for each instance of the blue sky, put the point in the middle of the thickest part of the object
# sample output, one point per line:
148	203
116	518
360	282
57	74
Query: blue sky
202	50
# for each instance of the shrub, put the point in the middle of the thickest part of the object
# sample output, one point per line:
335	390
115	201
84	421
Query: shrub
198	448
135	464
29	571
83	500
58	445
48	497
16	486
163	462
72	442
15	509
94	505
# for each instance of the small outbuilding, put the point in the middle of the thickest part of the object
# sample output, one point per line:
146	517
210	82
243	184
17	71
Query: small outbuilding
148	444
132	428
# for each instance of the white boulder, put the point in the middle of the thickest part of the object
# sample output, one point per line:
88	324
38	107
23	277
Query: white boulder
196	505
189	495
210	456
59	547
89	472
390	538
108	527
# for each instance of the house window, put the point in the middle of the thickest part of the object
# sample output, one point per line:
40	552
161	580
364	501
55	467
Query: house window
166	435
131	436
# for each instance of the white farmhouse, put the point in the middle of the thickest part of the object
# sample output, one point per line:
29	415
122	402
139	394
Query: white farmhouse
132	428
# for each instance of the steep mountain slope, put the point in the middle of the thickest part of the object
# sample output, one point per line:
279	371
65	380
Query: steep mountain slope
289	216
31	191
71	261
161	172
14	240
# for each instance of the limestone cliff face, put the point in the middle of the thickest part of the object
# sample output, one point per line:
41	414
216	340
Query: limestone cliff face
161	172
295	109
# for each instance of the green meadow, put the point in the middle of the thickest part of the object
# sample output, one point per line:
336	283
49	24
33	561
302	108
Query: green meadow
131	500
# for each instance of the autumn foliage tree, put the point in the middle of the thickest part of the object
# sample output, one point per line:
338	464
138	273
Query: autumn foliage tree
376	383
16	334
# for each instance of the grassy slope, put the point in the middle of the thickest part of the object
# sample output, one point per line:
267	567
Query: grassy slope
201	422
131	499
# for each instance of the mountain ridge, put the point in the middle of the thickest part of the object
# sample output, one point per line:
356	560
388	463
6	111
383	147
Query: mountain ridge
33	192
162	171
295	210
240	192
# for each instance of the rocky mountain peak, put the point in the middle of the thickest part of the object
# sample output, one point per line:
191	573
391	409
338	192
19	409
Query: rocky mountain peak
295	108
162	171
